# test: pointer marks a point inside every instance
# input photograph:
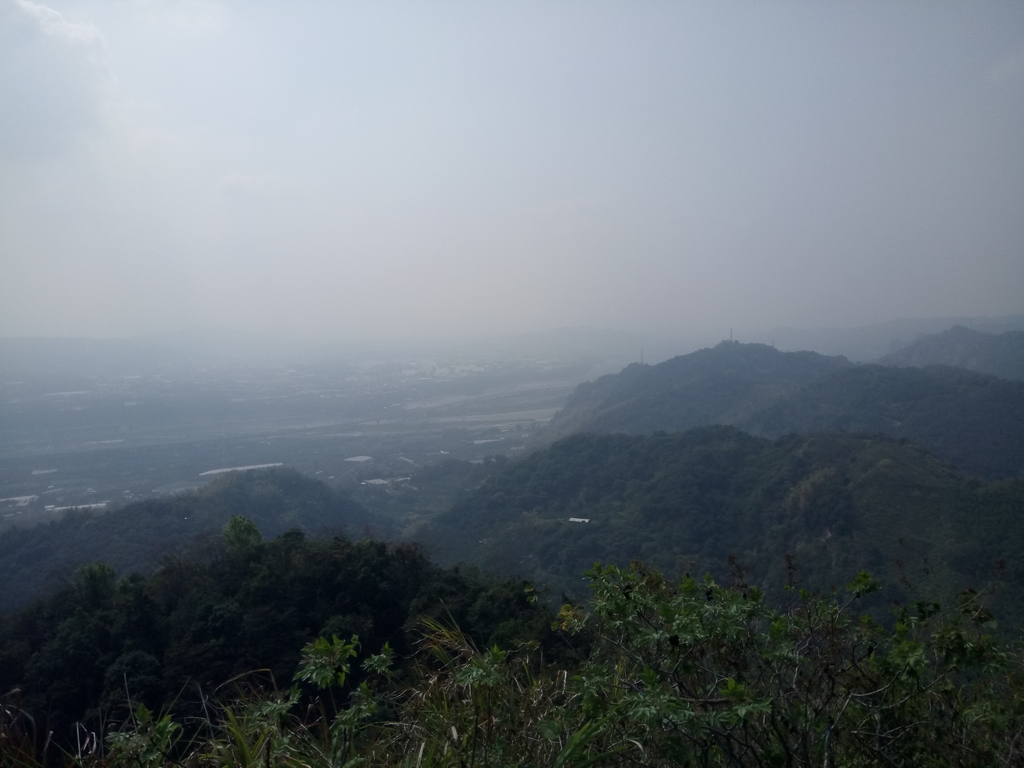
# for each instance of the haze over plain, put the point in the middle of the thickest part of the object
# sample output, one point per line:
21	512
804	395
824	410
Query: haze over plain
369	170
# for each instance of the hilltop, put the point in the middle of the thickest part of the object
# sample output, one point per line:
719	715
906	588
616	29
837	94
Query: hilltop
867	343
719	385
972	419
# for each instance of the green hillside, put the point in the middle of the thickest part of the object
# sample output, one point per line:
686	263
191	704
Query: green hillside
42	558
326	652
410	502
469	670
235	606
972	419
721	385
999	354
686	502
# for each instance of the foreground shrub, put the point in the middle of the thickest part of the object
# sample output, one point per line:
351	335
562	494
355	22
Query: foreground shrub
688	673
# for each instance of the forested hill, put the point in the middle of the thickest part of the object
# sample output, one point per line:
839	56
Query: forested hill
974	420
721	385
237	606
133	538
999	354
686	501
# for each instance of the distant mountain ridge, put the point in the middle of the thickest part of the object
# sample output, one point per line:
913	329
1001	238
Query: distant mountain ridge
868	343
997	354
972	419
723	384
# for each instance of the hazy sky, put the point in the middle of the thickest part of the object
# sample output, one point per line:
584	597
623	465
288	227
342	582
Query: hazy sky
342	170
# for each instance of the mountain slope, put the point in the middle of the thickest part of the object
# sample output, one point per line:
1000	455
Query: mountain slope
723	385
997	354
687	501
972	419
135	537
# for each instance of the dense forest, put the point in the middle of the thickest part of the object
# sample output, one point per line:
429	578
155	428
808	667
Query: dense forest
134	538
974	420
830	504
656	672
231	605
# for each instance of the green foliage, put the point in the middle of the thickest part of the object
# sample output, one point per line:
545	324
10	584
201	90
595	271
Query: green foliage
136	537
692	501
863	585
95	584
687	673
701	674
326	663
241	535
99	649
147	741
698	674
380	663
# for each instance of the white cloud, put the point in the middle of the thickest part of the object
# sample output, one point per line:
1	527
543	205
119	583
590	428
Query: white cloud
53	81
53	23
